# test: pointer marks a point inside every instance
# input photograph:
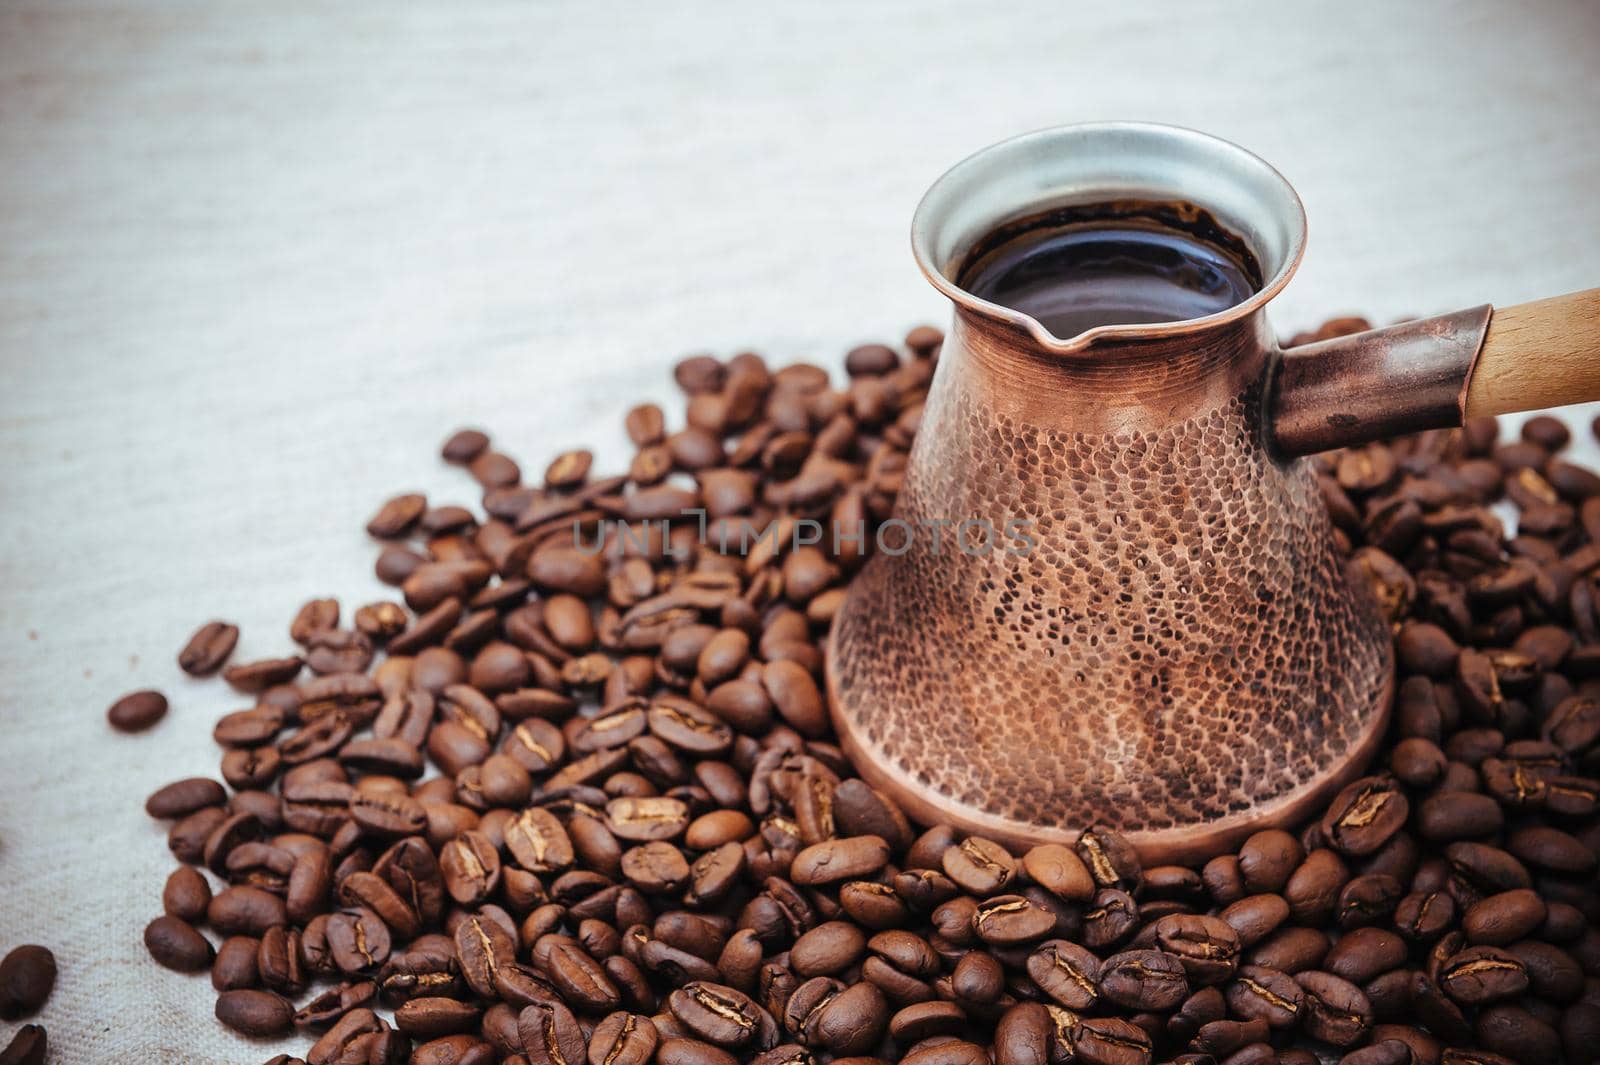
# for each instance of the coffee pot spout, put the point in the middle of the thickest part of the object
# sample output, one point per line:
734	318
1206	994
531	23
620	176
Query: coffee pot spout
1435	373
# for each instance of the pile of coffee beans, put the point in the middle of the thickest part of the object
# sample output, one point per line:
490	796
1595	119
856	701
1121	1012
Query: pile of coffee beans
558	806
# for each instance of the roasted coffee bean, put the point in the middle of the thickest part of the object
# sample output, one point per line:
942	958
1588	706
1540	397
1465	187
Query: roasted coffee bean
947	1052
358	941
1011	920
1452	815
717	1013
1207	947
835	860
1059	871
1367	900
581	980
1110	1041
27	976
176	945
28	1047
258	1014
1066	972
646	819
1502	919
469	866
680	1051
1111	917
1333	1010
827	949
1364	816
1365	953
237	964
1270	995
1255	917
482	946
454	1050
184	797
278	960
979	866
137	711
1144	980
623	1039
245	910
539	842
208	648
1479	975
1110	858
256	677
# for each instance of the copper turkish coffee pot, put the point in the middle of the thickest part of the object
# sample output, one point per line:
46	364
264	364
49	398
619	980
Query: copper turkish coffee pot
1182	656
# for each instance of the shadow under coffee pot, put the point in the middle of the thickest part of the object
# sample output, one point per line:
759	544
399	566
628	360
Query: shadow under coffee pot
1153	628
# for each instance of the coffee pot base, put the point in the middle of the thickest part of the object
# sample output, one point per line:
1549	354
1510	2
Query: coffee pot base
1181	844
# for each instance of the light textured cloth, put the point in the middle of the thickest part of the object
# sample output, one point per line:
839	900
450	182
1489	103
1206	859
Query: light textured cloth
256	260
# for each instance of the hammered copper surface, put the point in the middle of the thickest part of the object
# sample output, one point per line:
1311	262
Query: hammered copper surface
1180	656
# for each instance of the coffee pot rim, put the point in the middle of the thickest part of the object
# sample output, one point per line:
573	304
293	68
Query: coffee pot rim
1097	162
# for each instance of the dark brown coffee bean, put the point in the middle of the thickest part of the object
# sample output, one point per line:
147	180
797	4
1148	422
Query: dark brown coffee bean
1333	1010
836	860
29	1046
680	1051
464	445
1479	975
278	961
454	1050
1011	920
550	1034
581	980
258	1014
1207	947
1144	980
623	1039
1110	918
979	866
1111	1041
1364	816
646	819
27	976
237	964
1502	919
137	711
256	677
1110	858
1551	850
1368	899
387	816
947	1052
248	728
175	945
340	1037
715	1012
433	1016
1066	972
358	941
184	797
1269	995
1255	917
1453	815
1365	953
208	648
397	516
1267	859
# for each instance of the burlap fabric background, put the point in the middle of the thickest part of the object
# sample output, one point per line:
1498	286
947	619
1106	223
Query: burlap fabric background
256	261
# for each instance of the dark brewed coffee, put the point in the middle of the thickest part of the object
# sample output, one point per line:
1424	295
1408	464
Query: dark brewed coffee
1113	264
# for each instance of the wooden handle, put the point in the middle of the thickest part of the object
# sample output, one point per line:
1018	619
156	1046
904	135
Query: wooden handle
1540	354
